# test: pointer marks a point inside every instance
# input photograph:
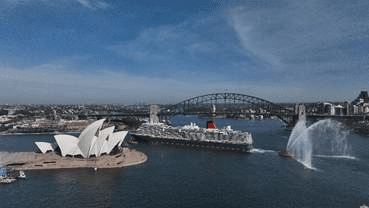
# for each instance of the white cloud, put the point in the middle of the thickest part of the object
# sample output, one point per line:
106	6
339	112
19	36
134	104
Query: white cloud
85	3
200	47
56	83
259	53
182	45
90	4
102	5
155	44
303	35
93	4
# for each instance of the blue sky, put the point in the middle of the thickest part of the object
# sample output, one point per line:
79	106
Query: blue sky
127	52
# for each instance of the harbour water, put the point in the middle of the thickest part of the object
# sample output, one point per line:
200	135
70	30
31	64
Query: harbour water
184	177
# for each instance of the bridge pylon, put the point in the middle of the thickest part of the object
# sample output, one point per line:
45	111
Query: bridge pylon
154	111
302	112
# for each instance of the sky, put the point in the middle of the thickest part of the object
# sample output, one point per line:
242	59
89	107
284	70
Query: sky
142	52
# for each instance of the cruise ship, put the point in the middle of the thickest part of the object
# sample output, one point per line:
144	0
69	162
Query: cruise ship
193	135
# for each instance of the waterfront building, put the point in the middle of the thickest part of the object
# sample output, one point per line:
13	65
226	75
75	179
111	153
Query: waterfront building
329	108
356	110
347	108
92	141
363	97
365	108
338	110
360	106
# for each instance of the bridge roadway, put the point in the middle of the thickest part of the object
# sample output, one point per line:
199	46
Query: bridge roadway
358	123
349	120
286	118
146	114
322	116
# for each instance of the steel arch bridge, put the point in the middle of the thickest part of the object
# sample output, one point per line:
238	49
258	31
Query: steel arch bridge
224	99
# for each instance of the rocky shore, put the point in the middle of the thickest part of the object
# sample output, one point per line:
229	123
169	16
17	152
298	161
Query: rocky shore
52	160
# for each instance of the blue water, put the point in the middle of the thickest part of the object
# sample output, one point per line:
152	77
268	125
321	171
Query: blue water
180	177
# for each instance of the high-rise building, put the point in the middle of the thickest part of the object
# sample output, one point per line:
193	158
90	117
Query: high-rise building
362	97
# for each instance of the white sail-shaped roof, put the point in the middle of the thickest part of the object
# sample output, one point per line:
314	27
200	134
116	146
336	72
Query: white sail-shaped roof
101	139
106	145
87	136
92	151
44	146
68	145
112	141
122	135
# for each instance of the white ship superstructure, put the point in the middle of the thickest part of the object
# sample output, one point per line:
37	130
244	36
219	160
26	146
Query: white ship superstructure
192	134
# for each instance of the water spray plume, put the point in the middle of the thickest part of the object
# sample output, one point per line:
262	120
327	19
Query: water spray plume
324	138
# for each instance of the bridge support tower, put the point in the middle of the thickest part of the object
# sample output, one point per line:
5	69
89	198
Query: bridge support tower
154	111
302	112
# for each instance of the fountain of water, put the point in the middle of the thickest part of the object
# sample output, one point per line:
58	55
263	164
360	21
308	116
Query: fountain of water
324	138
299	144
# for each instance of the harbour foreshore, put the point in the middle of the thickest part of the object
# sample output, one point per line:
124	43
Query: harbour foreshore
51	160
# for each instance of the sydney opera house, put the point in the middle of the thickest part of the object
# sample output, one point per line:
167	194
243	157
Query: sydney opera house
93	141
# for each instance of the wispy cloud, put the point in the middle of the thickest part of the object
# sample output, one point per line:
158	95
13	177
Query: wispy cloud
309	36
102	5
93	4
90	4
187	51
153	44
85	3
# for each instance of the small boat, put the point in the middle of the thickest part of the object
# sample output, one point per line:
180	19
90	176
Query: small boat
21	175
284	153
7	180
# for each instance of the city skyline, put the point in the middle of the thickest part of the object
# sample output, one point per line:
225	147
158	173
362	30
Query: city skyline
112	52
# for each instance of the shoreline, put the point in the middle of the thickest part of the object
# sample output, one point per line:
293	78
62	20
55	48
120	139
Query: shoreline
36	133
53	161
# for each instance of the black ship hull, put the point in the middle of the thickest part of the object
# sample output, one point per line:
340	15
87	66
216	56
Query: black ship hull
194	143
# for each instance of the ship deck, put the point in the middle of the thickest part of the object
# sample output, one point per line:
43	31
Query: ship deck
194	138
